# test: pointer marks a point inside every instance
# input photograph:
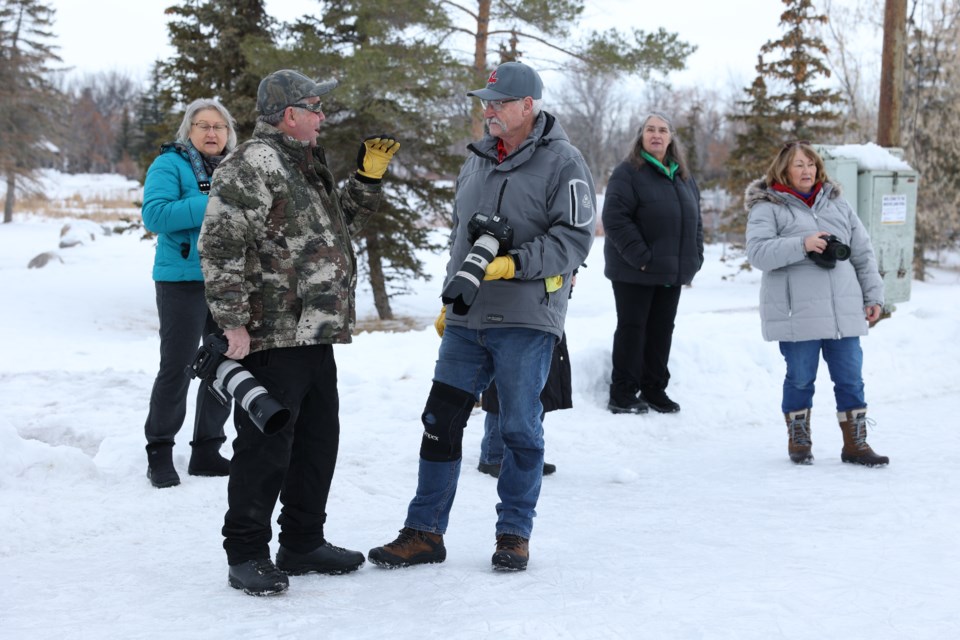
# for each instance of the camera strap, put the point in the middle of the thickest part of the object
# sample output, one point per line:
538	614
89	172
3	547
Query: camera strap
196	163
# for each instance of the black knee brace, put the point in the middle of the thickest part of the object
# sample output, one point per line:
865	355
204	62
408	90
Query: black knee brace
444	419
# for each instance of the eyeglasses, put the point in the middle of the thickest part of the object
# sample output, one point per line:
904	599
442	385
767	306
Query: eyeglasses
496	105
790	145
316	107
206	126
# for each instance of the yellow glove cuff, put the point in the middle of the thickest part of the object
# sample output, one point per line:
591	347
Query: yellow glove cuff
502	268
553	283
441	322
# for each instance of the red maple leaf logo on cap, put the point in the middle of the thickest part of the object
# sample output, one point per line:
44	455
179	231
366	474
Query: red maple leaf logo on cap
493	78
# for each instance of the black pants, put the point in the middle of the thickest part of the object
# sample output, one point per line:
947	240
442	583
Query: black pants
184	319
295	464
641	343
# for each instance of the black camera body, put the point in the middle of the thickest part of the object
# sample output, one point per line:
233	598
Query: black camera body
493	225
835	250
491	237
226	379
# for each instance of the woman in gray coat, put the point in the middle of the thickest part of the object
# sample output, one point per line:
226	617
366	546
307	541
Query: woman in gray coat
820	289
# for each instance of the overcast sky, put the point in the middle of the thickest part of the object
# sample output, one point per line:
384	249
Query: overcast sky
728	34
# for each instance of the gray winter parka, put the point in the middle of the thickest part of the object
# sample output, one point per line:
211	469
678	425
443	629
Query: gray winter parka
550	201
798	299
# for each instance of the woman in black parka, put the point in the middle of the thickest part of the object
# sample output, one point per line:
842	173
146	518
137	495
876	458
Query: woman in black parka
653	246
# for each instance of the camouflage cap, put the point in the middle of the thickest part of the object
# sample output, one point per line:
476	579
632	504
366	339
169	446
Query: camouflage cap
282	88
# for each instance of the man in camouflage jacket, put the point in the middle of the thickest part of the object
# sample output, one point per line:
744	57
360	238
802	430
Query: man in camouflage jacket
280	273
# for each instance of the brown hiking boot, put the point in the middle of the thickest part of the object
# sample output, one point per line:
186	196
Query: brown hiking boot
512	553
798	431
410	547
853	424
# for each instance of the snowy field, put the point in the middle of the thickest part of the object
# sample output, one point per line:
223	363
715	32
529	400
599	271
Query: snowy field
687	526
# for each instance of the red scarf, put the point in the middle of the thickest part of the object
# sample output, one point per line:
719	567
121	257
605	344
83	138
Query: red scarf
807	200
501	150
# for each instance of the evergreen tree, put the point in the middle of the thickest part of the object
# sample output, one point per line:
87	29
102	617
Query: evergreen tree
28	100
394	78
795	78
785	102
209	36
757	141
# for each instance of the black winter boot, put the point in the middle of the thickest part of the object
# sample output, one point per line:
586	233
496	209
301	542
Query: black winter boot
257	578
326	558
659	401
205	459
160	469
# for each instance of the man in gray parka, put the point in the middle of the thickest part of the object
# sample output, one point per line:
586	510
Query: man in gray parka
526	172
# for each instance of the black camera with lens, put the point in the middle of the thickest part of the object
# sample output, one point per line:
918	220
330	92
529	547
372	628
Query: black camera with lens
226	379
834	251
491	237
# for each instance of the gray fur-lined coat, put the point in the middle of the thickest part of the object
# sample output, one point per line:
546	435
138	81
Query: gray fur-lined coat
798	299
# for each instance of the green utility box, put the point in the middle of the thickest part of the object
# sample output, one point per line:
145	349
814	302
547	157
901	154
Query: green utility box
882	189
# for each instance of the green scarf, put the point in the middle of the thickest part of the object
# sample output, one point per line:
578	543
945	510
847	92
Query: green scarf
659	165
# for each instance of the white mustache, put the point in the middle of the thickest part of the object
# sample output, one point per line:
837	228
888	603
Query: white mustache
497	121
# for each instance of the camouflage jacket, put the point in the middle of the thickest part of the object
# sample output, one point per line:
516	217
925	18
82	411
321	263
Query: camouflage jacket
275	245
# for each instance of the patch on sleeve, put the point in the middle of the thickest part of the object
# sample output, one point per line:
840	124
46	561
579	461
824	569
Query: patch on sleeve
582	203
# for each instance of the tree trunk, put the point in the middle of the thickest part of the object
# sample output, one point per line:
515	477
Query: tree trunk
892	72
377	282
11	197
480	62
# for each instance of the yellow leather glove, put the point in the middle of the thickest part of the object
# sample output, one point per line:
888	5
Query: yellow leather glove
553	283
441	322
501	268
375	154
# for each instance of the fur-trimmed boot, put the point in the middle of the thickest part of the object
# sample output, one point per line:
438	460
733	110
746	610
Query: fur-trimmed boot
853	424
798	432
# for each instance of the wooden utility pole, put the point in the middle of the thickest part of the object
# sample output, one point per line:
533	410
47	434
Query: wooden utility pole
891	72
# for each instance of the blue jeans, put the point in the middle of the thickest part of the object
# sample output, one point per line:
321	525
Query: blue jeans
491	445
845	362
469	360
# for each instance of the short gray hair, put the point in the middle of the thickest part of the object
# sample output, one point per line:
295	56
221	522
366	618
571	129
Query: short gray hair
201	104
273	119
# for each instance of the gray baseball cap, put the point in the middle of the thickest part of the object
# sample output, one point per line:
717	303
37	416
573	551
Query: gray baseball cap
511	80
285	87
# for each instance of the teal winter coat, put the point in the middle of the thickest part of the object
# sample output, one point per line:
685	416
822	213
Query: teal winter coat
173	208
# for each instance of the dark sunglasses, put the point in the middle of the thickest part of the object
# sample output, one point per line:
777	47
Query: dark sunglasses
316	107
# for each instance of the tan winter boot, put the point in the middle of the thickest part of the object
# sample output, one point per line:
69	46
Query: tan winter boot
853	424
411	547
798	431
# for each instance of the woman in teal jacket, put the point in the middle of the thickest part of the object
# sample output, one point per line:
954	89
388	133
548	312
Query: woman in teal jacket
174	202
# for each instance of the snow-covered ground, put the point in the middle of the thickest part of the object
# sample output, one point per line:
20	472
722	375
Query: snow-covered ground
693	525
